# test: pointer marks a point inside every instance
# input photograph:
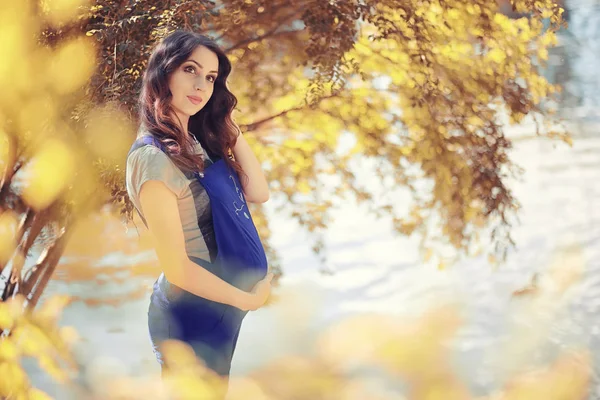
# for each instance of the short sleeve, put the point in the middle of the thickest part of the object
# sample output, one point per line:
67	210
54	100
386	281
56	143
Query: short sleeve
150	163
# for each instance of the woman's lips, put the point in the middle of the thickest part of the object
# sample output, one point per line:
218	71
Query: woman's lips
195	100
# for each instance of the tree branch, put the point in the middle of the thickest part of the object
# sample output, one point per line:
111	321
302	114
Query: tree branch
269	35
43	271
255	125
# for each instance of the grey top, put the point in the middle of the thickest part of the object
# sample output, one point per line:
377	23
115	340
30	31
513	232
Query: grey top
150	163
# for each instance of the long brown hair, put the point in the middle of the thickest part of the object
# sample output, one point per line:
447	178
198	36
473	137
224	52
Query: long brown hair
212	126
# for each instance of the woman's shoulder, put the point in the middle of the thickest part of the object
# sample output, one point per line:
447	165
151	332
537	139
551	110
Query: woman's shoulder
150	163
143	152
146	147
145	144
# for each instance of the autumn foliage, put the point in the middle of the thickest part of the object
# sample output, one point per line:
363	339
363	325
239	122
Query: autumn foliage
431	85
422	89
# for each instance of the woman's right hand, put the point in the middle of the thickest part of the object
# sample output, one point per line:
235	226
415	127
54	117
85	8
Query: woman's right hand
260	294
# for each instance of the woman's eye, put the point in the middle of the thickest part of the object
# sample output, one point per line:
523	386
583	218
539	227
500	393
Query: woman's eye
211	78
190	69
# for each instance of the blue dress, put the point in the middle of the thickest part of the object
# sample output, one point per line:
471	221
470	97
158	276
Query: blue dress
211	328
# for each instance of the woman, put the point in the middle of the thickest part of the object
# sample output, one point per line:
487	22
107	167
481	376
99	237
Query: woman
190	174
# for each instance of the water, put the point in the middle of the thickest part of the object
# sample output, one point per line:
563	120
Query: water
377	271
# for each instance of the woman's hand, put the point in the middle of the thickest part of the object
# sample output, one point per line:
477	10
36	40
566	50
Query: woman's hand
259	294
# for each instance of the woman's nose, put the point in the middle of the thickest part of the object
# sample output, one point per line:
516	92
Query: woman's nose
200	84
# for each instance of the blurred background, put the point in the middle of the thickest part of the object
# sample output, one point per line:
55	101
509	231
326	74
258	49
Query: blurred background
421	158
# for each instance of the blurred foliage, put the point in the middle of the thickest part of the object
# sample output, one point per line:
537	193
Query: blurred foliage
364	356
419	88
56	163
409	84
412	357
33	336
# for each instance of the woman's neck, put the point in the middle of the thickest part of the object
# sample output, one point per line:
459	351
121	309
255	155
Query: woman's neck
183	121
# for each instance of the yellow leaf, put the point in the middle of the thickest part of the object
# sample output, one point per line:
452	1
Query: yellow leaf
420	79
8	350
52	368
109	133
303	187
32	341
69	334
71	66
48	173
8	231
5	151
14	43
496	55
12	379
36	394
60	12
245	388
6	319
51	309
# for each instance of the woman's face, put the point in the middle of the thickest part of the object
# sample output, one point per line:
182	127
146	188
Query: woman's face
192	83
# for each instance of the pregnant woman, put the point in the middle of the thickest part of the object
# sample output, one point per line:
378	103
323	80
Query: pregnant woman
190	175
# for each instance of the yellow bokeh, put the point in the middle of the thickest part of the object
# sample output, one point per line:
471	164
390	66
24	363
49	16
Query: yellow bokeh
48	174
245	388
27	338
299	377
6	319
35	116
567	378
69	334
109	133
89	187
29	74
72	64
59	12
52	367
15	44
496	55
50	310
8	230
8	350
12	379
179	355
36	394
32	340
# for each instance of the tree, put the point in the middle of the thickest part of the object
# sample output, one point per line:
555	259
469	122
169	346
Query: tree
450	66
412	83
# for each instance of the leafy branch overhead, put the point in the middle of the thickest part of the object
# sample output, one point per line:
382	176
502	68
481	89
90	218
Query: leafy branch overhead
420	89
411	83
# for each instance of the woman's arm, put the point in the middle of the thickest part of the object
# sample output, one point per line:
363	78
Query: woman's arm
160	210
256	189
